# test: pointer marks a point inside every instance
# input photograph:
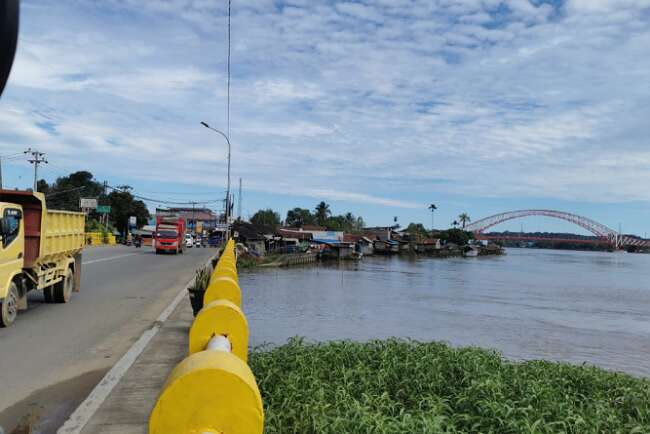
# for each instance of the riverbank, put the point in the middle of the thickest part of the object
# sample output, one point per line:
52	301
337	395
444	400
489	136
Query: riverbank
246	261
406	386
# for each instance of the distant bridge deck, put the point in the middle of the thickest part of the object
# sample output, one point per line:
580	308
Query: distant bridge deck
495	237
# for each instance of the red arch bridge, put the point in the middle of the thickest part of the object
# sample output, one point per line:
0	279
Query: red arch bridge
603	233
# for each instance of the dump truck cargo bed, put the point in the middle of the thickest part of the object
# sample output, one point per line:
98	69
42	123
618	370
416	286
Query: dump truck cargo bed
49	234
63	234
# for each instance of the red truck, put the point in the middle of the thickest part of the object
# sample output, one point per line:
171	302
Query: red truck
170	234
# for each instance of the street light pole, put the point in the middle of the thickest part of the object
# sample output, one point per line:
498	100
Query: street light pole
228	185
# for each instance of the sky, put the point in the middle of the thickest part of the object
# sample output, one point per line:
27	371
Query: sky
377	107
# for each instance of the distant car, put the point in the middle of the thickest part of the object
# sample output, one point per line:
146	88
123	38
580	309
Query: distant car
189	242
197	241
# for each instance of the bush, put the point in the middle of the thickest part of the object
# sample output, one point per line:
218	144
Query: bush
398	386
201	279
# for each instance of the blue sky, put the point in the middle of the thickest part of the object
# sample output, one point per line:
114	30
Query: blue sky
377	107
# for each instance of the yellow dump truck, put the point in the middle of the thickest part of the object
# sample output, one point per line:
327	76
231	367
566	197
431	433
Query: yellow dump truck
39	249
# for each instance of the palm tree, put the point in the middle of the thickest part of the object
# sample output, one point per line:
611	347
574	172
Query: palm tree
350	221
454	224
464	219
432	207
322	213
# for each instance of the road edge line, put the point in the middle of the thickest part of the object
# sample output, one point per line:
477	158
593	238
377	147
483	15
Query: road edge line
87	409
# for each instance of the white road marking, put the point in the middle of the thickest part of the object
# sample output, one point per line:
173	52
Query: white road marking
110	258
87	409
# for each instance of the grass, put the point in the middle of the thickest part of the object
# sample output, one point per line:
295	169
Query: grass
399	386
244	262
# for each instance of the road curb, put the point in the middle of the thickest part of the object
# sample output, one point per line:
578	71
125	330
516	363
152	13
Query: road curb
87	409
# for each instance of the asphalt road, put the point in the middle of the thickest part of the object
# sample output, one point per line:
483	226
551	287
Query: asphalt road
55	353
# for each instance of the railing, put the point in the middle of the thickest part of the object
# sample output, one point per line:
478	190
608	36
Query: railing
213	390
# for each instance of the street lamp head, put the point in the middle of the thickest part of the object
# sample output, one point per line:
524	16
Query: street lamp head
205	125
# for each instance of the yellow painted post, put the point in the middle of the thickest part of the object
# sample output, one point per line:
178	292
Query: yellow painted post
213	390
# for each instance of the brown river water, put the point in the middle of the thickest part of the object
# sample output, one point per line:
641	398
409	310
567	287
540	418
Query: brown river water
579	307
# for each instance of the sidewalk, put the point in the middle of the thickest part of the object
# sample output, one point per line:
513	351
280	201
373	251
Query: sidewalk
127	407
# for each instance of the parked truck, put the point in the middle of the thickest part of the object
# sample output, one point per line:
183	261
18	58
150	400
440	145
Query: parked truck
170	234
40	249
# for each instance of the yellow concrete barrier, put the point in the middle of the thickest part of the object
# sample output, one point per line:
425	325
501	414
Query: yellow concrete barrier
96	238
209	392
220	317
225	271
222	288
213	390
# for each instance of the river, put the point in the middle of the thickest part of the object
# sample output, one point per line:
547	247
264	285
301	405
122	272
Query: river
591	307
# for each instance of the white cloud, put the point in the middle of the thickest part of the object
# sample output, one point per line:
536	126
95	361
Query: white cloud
529	101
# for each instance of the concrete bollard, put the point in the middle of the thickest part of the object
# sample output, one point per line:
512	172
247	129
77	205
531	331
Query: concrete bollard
222	288
220	318
213	390
225	270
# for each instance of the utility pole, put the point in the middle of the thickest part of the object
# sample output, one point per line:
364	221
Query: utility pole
239	202
105	216
194	217
37	158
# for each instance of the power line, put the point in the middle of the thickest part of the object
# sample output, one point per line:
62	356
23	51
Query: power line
11	157
65	191
162	201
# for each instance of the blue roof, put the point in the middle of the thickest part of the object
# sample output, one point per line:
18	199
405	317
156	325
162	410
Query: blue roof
326	241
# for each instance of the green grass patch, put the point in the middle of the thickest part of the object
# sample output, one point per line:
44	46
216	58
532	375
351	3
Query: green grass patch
244	262
398	386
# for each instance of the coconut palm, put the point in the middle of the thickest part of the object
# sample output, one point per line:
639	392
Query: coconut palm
464	219
432	207
322	213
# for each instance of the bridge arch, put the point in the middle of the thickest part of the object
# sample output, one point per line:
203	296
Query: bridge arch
592	226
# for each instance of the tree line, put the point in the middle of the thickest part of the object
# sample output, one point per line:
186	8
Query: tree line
66	191
348	222
321	216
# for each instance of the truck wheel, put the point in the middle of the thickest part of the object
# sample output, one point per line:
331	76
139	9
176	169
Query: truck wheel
63	289
9	306
48	295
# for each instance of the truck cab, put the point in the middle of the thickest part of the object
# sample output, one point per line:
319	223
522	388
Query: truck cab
12	247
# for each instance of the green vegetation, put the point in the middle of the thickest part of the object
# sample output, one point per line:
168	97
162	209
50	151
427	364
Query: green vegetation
464	219
266	217
456	236
65	192
201	279
322	216
417	231
322	212
398	386
244	262
298	217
